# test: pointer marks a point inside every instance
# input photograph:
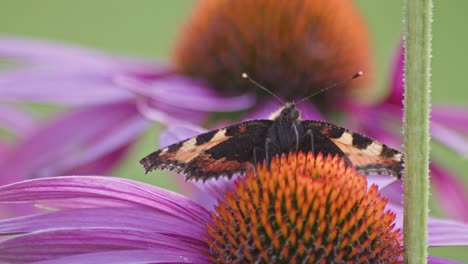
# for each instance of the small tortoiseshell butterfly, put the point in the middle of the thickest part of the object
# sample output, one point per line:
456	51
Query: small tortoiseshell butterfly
232	149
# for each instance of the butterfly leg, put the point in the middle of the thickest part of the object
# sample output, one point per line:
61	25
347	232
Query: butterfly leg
255	160
267	160
311	135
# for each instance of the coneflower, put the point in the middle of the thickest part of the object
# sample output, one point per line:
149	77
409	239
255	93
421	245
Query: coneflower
303	208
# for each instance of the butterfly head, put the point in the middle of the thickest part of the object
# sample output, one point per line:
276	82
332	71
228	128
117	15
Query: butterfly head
289	113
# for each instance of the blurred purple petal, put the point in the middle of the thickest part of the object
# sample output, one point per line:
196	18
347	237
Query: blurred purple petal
174	134
50	53
450	192
381	181
450	138
132	256
54	243
185	93
455	117
439	260
443	232
397	76
62	86
126	192
17	121
73	140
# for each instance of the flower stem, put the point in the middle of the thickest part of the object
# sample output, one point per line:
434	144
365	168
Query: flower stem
418	19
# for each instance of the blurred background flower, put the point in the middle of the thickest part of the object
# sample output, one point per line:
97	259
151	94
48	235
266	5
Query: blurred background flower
148	30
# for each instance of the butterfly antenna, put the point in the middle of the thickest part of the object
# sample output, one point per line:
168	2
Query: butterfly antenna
245	76
359	73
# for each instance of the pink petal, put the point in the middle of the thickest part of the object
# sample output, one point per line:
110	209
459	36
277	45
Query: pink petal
450	138
182	92
132	256
397	83
74	140
124	218
51	53
451	193
439	260
54	243
55	85
455	117
19	122
443	232
125	192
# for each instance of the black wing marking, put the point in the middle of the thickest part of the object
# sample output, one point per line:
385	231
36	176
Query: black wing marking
220	152
365	154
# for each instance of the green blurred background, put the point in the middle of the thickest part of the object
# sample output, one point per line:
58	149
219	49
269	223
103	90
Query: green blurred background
148	28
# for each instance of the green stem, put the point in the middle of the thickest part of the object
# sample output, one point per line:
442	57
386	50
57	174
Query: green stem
418	18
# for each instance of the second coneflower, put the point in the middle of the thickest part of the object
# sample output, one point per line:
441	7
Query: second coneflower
292	47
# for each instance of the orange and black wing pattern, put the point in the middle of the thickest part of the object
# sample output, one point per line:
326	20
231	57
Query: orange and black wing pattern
365	154
221	152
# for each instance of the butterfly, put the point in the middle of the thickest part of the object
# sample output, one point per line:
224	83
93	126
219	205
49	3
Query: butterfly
232	149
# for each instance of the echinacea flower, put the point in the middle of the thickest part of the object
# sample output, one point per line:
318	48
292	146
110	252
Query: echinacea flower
301	208
296	48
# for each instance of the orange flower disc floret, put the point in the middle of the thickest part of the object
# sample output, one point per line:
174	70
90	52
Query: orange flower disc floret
292	47
304	209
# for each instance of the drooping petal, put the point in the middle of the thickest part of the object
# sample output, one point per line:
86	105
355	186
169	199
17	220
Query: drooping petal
19	122
439	260
63	86
444	232
450	192
75	139
132	256
183	92
113	217
455	117
54	243
121	191
35	51
450	138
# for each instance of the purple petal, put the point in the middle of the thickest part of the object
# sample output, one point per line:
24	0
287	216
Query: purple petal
50	53
74	140
182	92
381	181
455	117
174	134
397	82
450	138
393	192
125	192
439	260
443	232
450	192
132	256
55	85
125	218
54	243
17	121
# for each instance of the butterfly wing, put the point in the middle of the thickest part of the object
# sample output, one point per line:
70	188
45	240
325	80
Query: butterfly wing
220	152
365	154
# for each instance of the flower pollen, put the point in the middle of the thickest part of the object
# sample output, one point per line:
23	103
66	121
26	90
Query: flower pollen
292	47
303	209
